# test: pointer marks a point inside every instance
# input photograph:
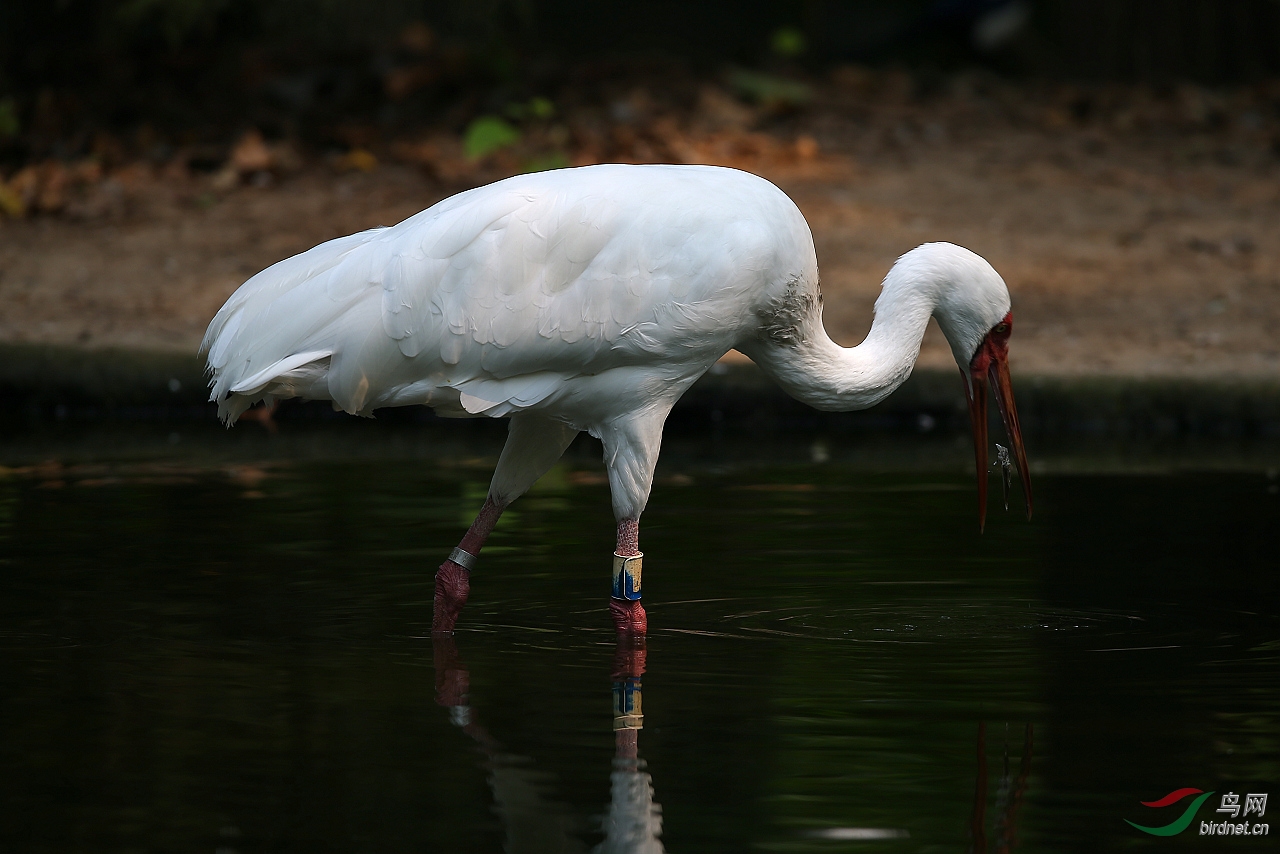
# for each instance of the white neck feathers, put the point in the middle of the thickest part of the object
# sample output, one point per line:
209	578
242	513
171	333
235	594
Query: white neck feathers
938	279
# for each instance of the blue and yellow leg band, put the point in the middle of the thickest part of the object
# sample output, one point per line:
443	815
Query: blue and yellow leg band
626	577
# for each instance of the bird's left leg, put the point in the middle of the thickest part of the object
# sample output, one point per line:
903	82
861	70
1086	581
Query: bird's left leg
533	445
631	448
453	578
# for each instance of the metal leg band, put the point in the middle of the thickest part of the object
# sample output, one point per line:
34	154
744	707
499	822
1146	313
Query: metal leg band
466	560
626	577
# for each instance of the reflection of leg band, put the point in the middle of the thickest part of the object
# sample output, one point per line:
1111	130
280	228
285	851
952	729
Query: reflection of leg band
628	712
626	577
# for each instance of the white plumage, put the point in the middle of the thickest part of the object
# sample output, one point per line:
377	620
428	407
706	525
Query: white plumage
580	299
505	293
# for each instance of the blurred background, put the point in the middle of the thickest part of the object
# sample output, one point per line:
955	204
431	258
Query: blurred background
1114	159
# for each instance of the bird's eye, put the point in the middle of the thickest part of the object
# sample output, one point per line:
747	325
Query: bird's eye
1002	328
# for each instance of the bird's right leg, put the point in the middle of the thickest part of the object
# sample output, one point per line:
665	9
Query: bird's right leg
628	614
533	445
630	454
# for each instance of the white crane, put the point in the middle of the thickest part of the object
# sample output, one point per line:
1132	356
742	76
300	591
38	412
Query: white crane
592	299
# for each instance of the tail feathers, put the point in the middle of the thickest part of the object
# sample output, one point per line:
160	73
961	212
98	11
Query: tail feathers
259	381
277	334
230	408
294	376
260	291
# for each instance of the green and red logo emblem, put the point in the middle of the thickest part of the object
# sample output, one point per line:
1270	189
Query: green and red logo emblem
1235	823
1183	821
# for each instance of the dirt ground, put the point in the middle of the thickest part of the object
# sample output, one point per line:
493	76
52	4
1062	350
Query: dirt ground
1139	233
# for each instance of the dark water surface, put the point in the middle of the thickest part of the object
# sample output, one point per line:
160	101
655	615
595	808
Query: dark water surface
237	659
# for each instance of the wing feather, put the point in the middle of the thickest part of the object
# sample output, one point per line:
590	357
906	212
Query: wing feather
506	291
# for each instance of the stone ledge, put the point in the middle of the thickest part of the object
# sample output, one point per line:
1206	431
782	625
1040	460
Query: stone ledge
734	397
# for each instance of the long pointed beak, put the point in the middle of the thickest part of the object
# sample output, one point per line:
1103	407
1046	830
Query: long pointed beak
999	373
975	388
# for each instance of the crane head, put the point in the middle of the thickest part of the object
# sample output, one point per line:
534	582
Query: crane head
989	367
972	307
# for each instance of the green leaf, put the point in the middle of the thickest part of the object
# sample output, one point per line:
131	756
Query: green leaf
788	42
9	124
488	134
541	108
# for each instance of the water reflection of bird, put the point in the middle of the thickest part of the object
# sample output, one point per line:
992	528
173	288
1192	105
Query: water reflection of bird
532	819
1009	795
592	299
633	824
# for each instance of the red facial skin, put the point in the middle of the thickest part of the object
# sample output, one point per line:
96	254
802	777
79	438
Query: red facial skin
990	364
995	347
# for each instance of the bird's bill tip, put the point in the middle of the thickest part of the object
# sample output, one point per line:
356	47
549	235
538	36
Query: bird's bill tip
975	391
1003	382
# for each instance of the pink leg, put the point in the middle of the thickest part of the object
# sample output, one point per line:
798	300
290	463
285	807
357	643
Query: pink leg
628	616
453	583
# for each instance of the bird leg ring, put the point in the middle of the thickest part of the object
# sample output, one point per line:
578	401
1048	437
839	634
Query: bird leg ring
624	606
464	559
626	576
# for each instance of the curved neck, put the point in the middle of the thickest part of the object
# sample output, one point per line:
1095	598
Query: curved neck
821	373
